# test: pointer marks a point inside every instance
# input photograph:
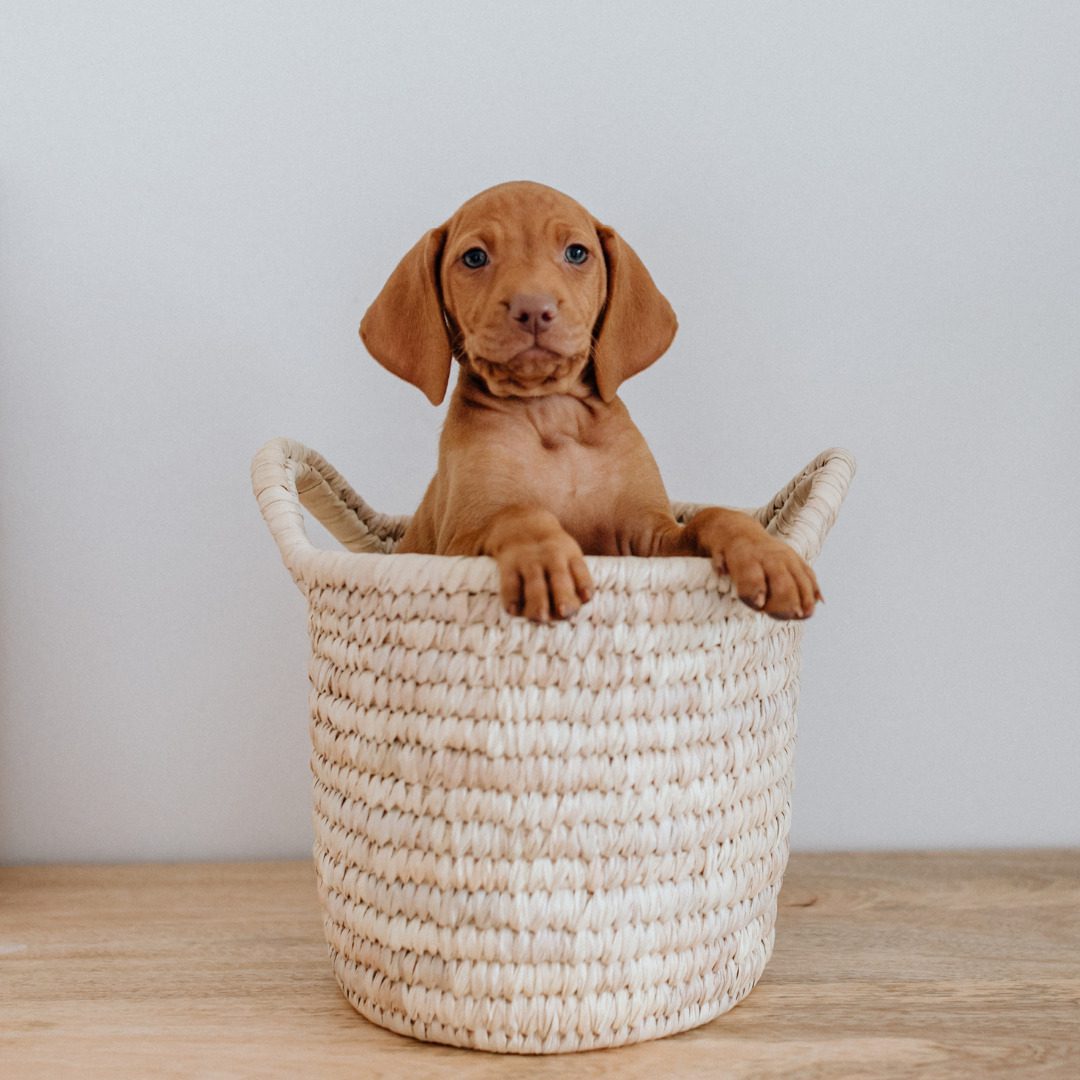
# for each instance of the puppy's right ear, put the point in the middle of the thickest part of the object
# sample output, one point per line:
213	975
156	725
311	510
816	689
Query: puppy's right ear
404	328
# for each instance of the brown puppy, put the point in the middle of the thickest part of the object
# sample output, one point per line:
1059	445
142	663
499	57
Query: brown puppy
547	311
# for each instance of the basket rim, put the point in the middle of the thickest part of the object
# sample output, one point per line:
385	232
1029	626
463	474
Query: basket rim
288	478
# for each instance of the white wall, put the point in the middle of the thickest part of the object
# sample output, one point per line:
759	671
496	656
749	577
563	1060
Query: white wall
866	215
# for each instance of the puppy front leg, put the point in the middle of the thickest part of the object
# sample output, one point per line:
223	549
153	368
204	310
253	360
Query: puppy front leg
768	574
542	574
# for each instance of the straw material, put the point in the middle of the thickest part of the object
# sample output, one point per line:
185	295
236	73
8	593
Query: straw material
536	839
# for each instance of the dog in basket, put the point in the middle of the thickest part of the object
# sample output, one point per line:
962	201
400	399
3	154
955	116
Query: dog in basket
546	312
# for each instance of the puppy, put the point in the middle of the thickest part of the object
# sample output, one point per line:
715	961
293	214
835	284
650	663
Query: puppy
546	312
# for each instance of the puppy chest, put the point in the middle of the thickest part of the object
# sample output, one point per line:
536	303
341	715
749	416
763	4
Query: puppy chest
580	484
573	472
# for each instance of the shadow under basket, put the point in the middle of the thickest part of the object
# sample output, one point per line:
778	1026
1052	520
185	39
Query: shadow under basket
542	838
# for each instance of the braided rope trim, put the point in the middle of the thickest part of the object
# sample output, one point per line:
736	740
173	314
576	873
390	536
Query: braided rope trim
286	475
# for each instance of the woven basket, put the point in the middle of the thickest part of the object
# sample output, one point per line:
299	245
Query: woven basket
535	839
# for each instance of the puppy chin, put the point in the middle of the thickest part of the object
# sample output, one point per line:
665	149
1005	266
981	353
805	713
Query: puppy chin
531	373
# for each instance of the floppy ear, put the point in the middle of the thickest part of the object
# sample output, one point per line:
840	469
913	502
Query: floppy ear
637	324
404	328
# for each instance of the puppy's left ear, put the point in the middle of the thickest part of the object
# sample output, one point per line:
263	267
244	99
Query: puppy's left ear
637	324
404	328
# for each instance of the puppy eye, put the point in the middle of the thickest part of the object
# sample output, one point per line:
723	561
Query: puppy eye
474	258
576	254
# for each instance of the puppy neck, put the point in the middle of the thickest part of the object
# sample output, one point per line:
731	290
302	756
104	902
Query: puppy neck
472	388
569	414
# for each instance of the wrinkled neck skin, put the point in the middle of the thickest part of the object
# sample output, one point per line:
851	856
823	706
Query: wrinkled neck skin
566	413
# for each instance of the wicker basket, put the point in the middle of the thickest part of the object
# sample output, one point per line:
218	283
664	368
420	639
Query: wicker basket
536	839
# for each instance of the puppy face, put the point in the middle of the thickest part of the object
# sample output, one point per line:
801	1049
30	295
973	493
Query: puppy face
529	292
523	283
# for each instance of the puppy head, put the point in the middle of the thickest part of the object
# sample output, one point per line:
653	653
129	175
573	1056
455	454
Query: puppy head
525	288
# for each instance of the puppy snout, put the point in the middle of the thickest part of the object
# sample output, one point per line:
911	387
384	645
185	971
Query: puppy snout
533	312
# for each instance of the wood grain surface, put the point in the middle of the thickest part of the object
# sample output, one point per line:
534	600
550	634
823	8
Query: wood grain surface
886	965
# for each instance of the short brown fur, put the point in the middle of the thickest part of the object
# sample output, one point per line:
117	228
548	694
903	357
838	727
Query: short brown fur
539	461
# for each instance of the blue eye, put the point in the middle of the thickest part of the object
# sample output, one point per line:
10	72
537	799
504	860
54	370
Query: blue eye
474	258
576	254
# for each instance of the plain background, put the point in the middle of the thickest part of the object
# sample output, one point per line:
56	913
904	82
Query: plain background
867	216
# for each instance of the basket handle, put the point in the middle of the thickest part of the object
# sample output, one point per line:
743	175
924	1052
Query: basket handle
805	510
288	477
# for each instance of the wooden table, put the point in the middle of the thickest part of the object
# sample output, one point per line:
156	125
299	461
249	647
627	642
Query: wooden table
906	965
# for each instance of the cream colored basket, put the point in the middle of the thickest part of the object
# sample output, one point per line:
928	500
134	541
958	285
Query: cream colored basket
535	839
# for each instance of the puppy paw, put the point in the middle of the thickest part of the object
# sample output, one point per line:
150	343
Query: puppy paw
770	576
543	579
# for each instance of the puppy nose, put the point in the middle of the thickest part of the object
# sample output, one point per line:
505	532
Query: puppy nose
533	311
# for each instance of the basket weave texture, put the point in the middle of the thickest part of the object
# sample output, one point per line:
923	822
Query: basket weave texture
536	839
